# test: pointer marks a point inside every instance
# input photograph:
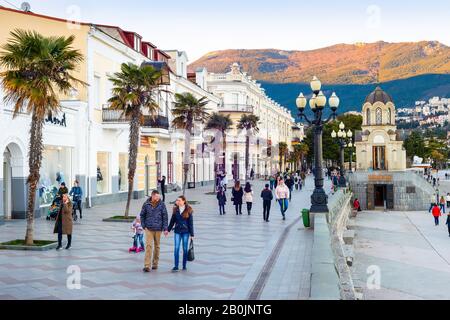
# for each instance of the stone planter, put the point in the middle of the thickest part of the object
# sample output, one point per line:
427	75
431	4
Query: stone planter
44	247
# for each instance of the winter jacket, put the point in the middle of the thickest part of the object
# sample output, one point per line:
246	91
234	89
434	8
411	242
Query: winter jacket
77	193
448	220
289	182
248	196
181	224
154	218
282	192
66	219
436	211
221	198
237	196
267	195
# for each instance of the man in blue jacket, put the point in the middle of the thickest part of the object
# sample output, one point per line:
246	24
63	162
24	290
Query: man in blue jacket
154	220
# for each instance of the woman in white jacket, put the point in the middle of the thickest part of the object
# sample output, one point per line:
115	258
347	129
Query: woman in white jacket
248	197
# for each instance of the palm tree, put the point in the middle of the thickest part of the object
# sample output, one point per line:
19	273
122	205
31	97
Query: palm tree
282	150
37	70
249	122
300	151
133	92
222	123
188	109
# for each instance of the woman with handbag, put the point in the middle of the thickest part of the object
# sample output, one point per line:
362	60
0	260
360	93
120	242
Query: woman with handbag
64	222
237	194
183	224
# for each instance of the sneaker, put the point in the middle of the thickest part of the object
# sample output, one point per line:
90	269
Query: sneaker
155	268
58	247
174	269
68	247
146	269
184	268
132	249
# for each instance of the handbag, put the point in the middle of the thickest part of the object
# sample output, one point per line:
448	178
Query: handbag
191	255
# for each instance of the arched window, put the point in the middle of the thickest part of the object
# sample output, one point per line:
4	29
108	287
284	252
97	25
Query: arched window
368	117
389	116
379	116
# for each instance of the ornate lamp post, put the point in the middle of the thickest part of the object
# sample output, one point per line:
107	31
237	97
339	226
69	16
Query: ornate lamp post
341	136
319	199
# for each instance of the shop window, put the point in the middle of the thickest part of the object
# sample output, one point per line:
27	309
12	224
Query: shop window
103	173
56	168
123	172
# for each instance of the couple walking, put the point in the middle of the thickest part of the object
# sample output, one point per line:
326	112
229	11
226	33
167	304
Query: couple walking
154	220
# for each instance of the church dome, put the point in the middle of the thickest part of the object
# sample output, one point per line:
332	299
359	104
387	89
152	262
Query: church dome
378	95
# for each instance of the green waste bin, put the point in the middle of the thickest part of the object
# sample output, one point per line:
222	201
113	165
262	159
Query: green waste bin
305	216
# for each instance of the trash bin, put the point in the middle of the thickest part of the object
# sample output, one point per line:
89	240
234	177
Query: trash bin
305	216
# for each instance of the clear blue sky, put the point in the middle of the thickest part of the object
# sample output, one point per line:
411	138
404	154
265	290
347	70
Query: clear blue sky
200	26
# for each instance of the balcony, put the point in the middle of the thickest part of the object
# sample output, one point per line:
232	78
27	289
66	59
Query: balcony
236	108
158	125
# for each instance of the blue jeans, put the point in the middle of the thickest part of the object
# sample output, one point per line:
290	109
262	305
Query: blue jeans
177	238
442	205
284	203
139	239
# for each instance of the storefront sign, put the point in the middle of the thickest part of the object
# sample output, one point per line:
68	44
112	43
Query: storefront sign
385	178
56	121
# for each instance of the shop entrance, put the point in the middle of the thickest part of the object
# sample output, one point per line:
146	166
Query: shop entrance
7	185
12	170
380	195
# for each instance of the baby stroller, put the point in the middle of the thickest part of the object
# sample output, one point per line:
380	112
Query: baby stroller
74	209
54	209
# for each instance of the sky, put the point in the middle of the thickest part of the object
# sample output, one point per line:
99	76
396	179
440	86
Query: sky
200	26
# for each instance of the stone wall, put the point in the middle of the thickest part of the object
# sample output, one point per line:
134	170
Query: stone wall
419	199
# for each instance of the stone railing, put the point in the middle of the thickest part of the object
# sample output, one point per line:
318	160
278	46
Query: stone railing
338	216
331	277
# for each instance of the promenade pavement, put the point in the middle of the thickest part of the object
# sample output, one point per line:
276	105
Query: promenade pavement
231	253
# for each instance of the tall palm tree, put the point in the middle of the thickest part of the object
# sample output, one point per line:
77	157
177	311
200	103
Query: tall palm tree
37	70
249	122
187	110
282	150
222	123
300	151
134	91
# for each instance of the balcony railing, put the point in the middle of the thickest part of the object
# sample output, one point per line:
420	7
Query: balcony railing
115	116
236	108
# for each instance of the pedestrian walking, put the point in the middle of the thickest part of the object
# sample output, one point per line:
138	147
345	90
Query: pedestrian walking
432	201
442	204
162	184
77	195
296	179
62	190
252	174
182	223
237	194
272	181
154	220
448	223
436	214
448	200
267	196
248	197
303	176
64	221
282	196
222	200
138	238
290	184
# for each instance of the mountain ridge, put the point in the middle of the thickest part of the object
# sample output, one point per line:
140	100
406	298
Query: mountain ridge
358	63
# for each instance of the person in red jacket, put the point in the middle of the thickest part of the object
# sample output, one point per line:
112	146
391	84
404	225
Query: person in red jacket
436	214
356	205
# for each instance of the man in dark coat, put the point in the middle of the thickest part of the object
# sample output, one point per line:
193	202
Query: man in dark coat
154	219
267	197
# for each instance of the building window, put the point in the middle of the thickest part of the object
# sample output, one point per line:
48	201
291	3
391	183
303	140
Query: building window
137	44
169	167
102	172
379	116
97	104
123	172
368	117
56	168
389	116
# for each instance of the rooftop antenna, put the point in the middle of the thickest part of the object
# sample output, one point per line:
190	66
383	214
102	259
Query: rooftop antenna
25	6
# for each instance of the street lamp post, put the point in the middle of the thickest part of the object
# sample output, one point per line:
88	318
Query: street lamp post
341	136
319	199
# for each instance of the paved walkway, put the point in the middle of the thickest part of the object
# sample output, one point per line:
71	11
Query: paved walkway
230	253
413	255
